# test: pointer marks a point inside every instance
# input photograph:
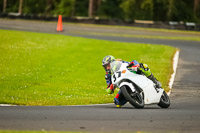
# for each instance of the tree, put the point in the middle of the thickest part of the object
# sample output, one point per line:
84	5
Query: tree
157	10
64	7
137	9
90	9
93	7
81	8
110	9
196	5
129	9
20	6
34	7
147	9
160	10
49	7
180	10
4	5
197	9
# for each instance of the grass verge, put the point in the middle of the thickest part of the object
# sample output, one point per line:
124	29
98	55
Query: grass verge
48	69
135	28
44	131
185	38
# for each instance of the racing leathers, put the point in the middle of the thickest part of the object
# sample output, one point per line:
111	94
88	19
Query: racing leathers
138	68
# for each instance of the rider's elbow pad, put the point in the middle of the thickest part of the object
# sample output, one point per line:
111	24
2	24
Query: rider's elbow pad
107	76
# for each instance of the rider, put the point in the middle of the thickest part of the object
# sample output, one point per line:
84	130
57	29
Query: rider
141	68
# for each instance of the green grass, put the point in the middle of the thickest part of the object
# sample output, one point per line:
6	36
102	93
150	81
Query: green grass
44	131
134	28
48	69
185	38
148	33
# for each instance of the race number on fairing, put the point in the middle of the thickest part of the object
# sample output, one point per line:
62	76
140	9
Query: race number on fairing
118	75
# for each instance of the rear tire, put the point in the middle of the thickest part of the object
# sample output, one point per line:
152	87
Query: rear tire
164	100
134	98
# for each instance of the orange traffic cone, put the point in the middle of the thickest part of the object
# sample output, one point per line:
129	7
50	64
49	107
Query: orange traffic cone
59	25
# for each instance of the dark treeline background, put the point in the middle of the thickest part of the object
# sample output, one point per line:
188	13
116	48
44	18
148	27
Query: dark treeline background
128	10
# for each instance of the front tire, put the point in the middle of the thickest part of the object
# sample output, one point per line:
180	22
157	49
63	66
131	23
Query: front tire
164	100
134	98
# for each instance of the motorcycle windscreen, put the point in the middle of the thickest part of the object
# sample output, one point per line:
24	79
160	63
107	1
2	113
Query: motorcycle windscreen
115	66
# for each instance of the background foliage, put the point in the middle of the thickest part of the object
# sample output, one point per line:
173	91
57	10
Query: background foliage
158	10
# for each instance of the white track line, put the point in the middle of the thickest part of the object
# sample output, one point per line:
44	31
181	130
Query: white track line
175	64
7	105
91	105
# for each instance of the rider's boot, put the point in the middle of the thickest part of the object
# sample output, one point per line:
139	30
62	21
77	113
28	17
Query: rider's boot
119	103
158	84
118	106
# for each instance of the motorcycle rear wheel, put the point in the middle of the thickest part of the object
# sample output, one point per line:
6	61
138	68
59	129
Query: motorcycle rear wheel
134	98
164	100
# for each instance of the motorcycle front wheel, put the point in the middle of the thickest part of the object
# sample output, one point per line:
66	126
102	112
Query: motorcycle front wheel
134	98
164	100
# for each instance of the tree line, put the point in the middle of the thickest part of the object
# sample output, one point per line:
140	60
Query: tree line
127	10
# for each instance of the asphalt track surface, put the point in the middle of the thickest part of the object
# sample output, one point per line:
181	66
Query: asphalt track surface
182	116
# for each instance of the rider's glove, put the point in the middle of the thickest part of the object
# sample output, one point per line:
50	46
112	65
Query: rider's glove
110	89
145	69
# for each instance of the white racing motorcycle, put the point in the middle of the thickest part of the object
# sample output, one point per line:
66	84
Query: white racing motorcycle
137	89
